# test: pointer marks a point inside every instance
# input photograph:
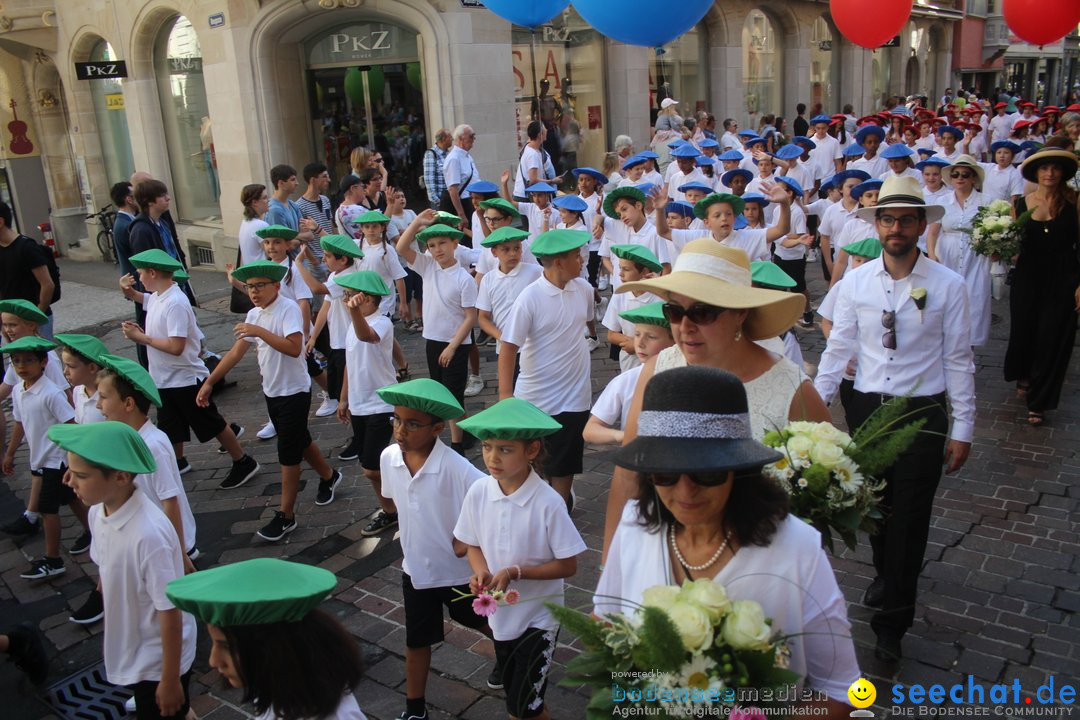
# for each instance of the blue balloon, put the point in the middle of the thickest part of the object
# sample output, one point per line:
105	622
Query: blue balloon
637	22
527	13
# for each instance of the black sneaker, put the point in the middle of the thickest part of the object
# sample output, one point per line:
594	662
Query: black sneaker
21	526
325	496
382	522
241	471
44	568
277	528
91	611
406	716
495	679
81	545
482	338
183	466
807	320
350	452
27	650
238	431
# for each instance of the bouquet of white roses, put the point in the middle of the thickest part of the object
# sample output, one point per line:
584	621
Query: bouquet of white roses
994	233
683	650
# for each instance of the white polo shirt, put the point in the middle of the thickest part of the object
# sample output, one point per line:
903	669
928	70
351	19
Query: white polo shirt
370	366
499	290
678	179
282	375
54	370
382	259
447	292
487	262
429	504
292	285
338	322
137	554
547	324
536	217
875	166
86	410
38	408
164	483
613	405
528	527
169	315
826	151
797	227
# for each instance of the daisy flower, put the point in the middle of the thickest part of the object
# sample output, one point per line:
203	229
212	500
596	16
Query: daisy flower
484	605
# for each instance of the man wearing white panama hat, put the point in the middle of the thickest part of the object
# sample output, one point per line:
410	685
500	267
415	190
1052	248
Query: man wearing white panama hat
905	319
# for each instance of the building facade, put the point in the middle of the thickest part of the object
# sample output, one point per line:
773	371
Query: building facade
213	93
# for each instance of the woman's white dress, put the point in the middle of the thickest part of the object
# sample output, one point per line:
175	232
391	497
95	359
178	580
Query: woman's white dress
954	252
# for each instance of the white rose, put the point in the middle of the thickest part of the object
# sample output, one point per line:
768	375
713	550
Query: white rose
799	447
801	427
1000	206
827	454
692	624
709	596
745	627
660	596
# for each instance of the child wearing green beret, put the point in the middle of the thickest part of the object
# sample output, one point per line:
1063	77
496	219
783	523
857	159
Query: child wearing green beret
416	468
149	644
719	212
627	223
382	258
82	362
636	262
292	660
527	545
499	289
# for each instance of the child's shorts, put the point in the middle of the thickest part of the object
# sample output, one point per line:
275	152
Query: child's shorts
455	375
335	372
525	663
566	447
54	493
290	415
424	612
178	412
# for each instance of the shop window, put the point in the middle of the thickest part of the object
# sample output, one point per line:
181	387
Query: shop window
824	72
763	58
680	70
111	117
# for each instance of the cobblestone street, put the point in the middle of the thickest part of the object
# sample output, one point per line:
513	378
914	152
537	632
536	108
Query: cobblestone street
998	595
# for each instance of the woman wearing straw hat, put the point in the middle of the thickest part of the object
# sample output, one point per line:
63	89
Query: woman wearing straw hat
1045	295
949	241
702	510
716	318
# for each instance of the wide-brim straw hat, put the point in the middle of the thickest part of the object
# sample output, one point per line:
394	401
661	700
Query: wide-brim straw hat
712	273
1033	162
901	192
968	162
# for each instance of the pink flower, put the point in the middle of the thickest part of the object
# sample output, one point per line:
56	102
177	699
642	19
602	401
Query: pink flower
747	713
484	605
512	596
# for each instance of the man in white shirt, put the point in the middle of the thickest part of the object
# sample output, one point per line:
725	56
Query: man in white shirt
459	170
1001	124
531	165
729	140
905	320
826	152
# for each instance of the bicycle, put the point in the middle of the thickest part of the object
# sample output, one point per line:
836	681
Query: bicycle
106	218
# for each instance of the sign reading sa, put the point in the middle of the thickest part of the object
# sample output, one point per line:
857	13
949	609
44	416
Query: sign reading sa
101	70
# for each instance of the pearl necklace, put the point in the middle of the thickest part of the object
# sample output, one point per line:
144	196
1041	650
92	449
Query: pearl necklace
698	568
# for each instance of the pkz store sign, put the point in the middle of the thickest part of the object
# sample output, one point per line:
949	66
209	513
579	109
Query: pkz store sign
363	41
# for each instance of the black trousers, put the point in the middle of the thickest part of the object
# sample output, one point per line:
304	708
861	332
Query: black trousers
908	502
140	349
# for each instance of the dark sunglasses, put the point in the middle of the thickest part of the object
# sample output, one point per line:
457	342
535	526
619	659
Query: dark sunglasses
699	313
962	174
888	321
705	479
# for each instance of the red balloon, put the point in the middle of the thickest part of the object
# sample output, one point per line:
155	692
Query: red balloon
1041	22
871	23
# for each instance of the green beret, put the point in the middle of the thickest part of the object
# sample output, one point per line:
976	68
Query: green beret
511	419
555	242
627	191
365	281
155	259
701	208
651	314
638	254
181	275
371	216
341	245
108	444
252	592
504	234
86	345
277	231
260	268
24	309
867	248
769	274
135	374
438	230
504	206
447	218
30	343
425	395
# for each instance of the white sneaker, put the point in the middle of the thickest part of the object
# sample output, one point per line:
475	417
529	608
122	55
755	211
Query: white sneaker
474	386
328	406
129	705
268	431
593	343
602	283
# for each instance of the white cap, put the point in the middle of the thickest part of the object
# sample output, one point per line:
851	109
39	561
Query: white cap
668	102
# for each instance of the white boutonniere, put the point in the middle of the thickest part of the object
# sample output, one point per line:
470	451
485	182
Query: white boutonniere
918	296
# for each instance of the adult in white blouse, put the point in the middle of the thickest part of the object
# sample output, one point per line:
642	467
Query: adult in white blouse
702	510
904	347
1003	181
459	170
949	241
256	202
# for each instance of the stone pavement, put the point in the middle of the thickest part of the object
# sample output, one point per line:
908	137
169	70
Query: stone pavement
998	593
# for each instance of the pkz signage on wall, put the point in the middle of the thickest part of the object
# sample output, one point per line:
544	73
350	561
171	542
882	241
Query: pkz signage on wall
363	41
101	70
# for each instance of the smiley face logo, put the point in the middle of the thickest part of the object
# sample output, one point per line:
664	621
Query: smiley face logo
862	693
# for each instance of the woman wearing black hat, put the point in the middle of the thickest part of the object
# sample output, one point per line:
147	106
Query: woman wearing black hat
704	510
1045	295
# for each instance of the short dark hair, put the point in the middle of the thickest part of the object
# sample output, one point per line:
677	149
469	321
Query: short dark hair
281	173
119	192
754	510
348	183
267	658
125	389
369	174
41	355
534	129
148	191
549	260
728	122
78	356
800	108
313	170
5	213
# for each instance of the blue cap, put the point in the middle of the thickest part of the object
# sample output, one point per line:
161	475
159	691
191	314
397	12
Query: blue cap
649	155
756	198
540	187
646	188
928	162
827	185
820	119
695	185
633	160
726	177
791	183
804	141
740	222
952	130
897	151
682	208
746	132
482	186
707	143
858	190
595	174
678	143
685	151
866	130
730	156
789	152
1031	146
703	160
844	175
854	150
750	141
925	152
574	203
1006	145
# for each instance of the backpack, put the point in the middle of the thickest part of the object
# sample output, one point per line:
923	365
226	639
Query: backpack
50	263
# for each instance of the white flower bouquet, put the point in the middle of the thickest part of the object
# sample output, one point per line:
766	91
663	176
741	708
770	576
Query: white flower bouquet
994	233
684	650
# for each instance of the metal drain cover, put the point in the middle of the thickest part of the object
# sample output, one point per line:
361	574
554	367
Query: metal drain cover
87	695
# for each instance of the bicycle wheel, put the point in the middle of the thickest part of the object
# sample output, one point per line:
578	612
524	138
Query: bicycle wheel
105	245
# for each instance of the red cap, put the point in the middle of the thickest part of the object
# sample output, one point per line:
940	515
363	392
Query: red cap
1027	103
1075	107
1051	110
1020	124
1000	105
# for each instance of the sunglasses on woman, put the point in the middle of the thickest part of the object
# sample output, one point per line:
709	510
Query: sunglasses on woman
705	479
699	313
962	175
